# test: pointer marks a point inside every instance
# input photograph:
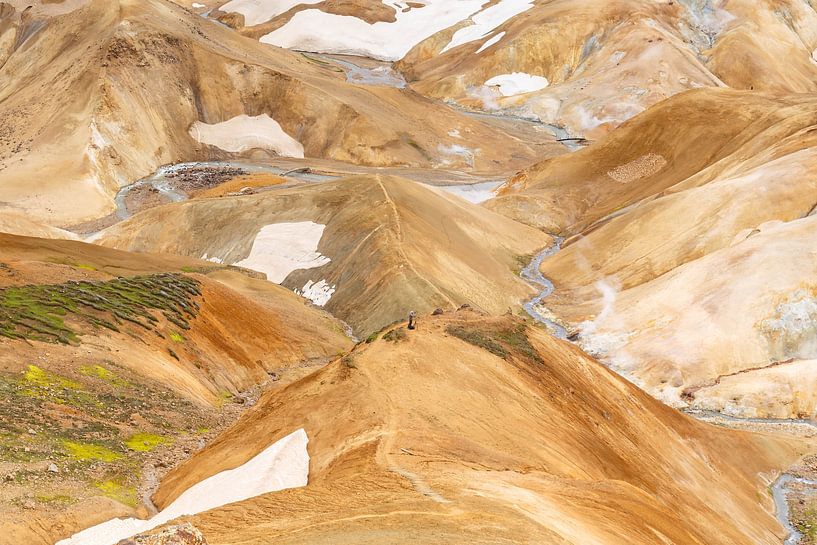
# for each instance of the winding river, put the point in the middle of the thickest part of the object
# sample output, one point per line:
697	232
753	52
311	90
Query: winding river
534	276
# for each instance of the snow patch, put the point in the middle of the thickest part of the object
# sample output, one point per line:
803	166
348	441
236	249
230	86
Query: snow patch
317	31
491	42
285	464
517	83
487	20
319	293
281	248
213	259
243	133
256	12
196	5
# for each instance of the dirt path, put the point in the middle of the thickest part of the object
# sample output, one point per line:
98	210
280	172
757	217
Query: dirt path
400	239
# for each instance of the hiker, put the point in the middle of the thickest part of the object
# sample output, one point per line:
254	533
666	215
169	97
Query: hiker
412	320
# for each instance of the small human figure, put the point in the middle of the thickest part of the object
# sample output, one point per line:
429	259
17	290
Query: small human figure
412	320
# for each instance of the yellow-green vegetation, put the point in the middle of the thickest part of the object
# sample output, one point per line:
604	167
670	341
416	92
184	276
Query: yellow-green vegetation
88	451
145	442
224	397
97	371
202	431
118	491
807	525
38	311
176	337
41	378
85	267
61	499
40	384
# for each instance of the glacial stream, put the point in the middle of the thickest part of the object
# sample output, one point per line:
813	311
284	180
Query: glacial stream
780	488
780	491
533	275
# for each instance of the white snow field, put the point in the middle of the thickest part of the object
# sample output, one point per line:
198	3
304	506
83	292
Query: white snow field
285	464
487	20
280	248
317	31
491	41
319	293
243	133
517	83
256	12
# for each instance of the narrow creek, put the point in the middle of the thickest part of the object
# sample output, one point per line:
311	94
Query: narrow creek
780	492
780	488
534	276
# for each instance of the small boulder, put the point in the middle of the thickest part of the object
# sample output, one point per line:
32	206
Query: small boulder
53	468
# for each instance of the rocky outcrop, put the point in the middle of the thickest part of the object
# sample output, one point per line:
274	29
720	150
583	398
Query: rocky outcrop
182	534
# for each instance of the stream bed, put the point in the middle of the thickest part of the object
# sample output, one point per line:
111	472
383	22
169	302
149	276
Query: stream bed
533	275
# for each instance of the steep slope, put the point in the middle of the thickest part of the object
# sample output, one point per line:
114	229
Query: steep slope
368	248
697	211
100	93
597	63
482	430
688	140
115	366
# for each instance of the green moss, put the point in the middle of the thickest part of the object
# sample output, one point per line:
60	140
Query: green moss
145	442
97	371
477	338
500	341
88	451
38	311
203	431
85	267
117	491
176	337
372	338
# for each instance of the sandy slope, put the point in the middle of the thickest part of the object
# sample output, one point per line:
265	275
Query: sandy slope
392	245
435	440
109	385
696	211
101	93
607	61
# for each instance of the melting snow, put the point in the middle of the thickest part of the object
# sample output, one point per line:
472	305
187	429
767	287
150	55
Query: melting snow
319	293
315	30
285	464
196	5
256	12
517	83
491	42
487	20
244	133
213	259
281	248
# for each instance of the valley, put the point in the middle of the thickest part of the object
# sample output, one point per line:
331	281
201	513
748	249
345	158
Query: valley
376	271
